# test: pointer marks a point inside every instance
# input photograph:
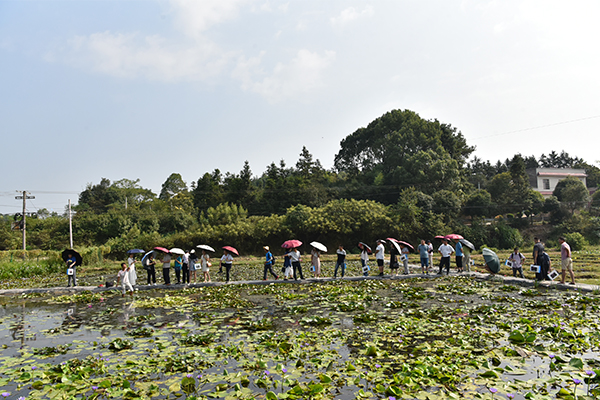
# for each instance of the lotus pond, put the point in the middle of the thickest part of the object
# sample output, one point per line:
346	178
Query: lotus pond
451	337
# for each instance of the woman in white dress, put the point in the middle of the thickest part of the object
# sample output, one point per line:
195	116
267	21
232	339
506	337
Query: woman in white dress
205	262
131	269
316	262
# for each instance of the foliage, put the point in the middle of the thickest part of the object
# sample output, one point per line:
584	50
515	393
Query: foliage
572	193
576	241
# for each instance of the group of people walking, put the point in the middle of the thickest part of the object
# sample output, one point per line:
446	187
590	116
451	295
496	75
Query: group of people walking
187	265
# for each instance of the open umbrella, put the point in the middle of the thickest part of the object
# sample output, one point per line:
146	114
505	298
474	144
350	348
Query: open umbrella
162	249
146	256
135	251
292	243
381	241
406	244
65	256
467	243
231	250
392	240
440	237
453	236
205	247
491	260
176	250
397	246
362	245
319	246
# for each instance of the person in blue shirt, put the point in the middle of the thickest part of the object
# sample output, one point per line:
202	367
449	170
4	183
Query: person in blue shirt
269	262
459	256
71	261
424	254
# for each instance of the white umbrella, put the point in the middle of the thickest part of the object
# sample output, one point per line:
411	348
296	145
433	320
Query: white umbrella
176	250
397	246
319	246
205	247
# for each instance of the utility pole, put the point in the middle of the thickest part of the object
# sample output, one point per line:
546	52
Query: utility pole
24	227
70	225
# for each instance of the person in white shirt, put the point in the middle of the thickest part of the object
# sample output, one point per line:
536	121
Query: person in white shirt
379	255
123	277
446	251
364	259
405	252
430	254
227	261
131	268
205	263
185	270
517	262
297	267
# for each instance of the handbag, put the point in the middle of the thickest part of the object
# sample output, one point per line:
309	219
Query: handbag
70	271
208	264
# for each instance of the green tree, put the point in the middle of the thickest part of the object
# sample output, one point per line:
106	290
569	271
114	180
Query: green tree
572	193
172	186
98	198
478	204
407	150
209	191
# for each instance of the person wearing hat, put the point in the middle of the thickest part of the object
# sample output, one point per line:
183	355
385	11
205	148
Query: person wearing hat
193	257
379	255
269	262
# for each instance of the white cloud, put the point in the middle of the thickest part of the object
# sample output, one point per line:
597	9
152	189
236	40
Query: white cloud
303	74
351	14
151	57
197	16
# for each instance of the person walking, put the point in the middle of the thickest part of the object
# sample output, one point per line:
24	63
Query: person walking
297	267
288	272
379	256
566	261
131	269
71	261
430	253
269	263
394	261
315	260
185	269
166	267
192	265
123	277
227	262
538	250
405	251
364	260
516	258
424	256
459	256
205	265
150	269
177	268
341	261
446	251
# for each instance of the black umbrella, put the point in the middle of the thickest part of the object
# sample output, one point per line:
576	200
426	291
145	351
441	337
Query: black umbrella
65	256
135	251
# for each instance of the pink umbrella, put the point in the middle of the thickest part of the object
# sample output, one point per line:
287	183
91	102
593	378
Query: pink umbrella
392	240
162	249
440	237
453	236
290	244
231	250
406	244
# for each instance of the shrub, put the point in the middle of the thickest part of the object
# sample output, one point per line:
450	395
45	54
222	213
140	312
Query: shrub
576	241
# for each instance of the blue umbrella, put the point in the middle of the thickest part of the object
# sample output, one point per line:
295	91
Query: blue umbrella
136	251
146	256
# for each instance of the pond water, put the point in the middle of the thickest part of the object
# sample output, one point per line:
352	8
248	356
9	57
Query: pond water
414	339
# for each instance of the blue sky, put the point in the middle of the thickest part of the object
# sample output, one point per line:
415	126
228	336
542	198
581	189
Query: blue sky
141	89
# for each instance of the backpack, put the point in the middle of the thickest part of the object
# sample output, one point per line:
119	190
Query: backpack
544	260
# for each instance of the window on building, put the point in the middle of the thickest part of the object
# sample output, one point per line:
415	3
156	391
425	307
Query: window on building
546	183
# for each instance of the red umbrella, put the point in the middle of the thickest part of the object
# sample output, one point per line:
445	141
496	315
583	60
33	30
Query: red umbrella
454	236
231	249
440	237
362	245
290	244
406	244
162	249
392	240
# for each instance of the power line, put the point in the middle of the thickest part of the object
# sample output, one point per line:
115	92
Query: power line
538	127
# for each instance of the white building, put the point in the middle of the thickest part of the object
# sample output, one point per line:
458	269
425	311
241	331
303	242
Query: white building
544	180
